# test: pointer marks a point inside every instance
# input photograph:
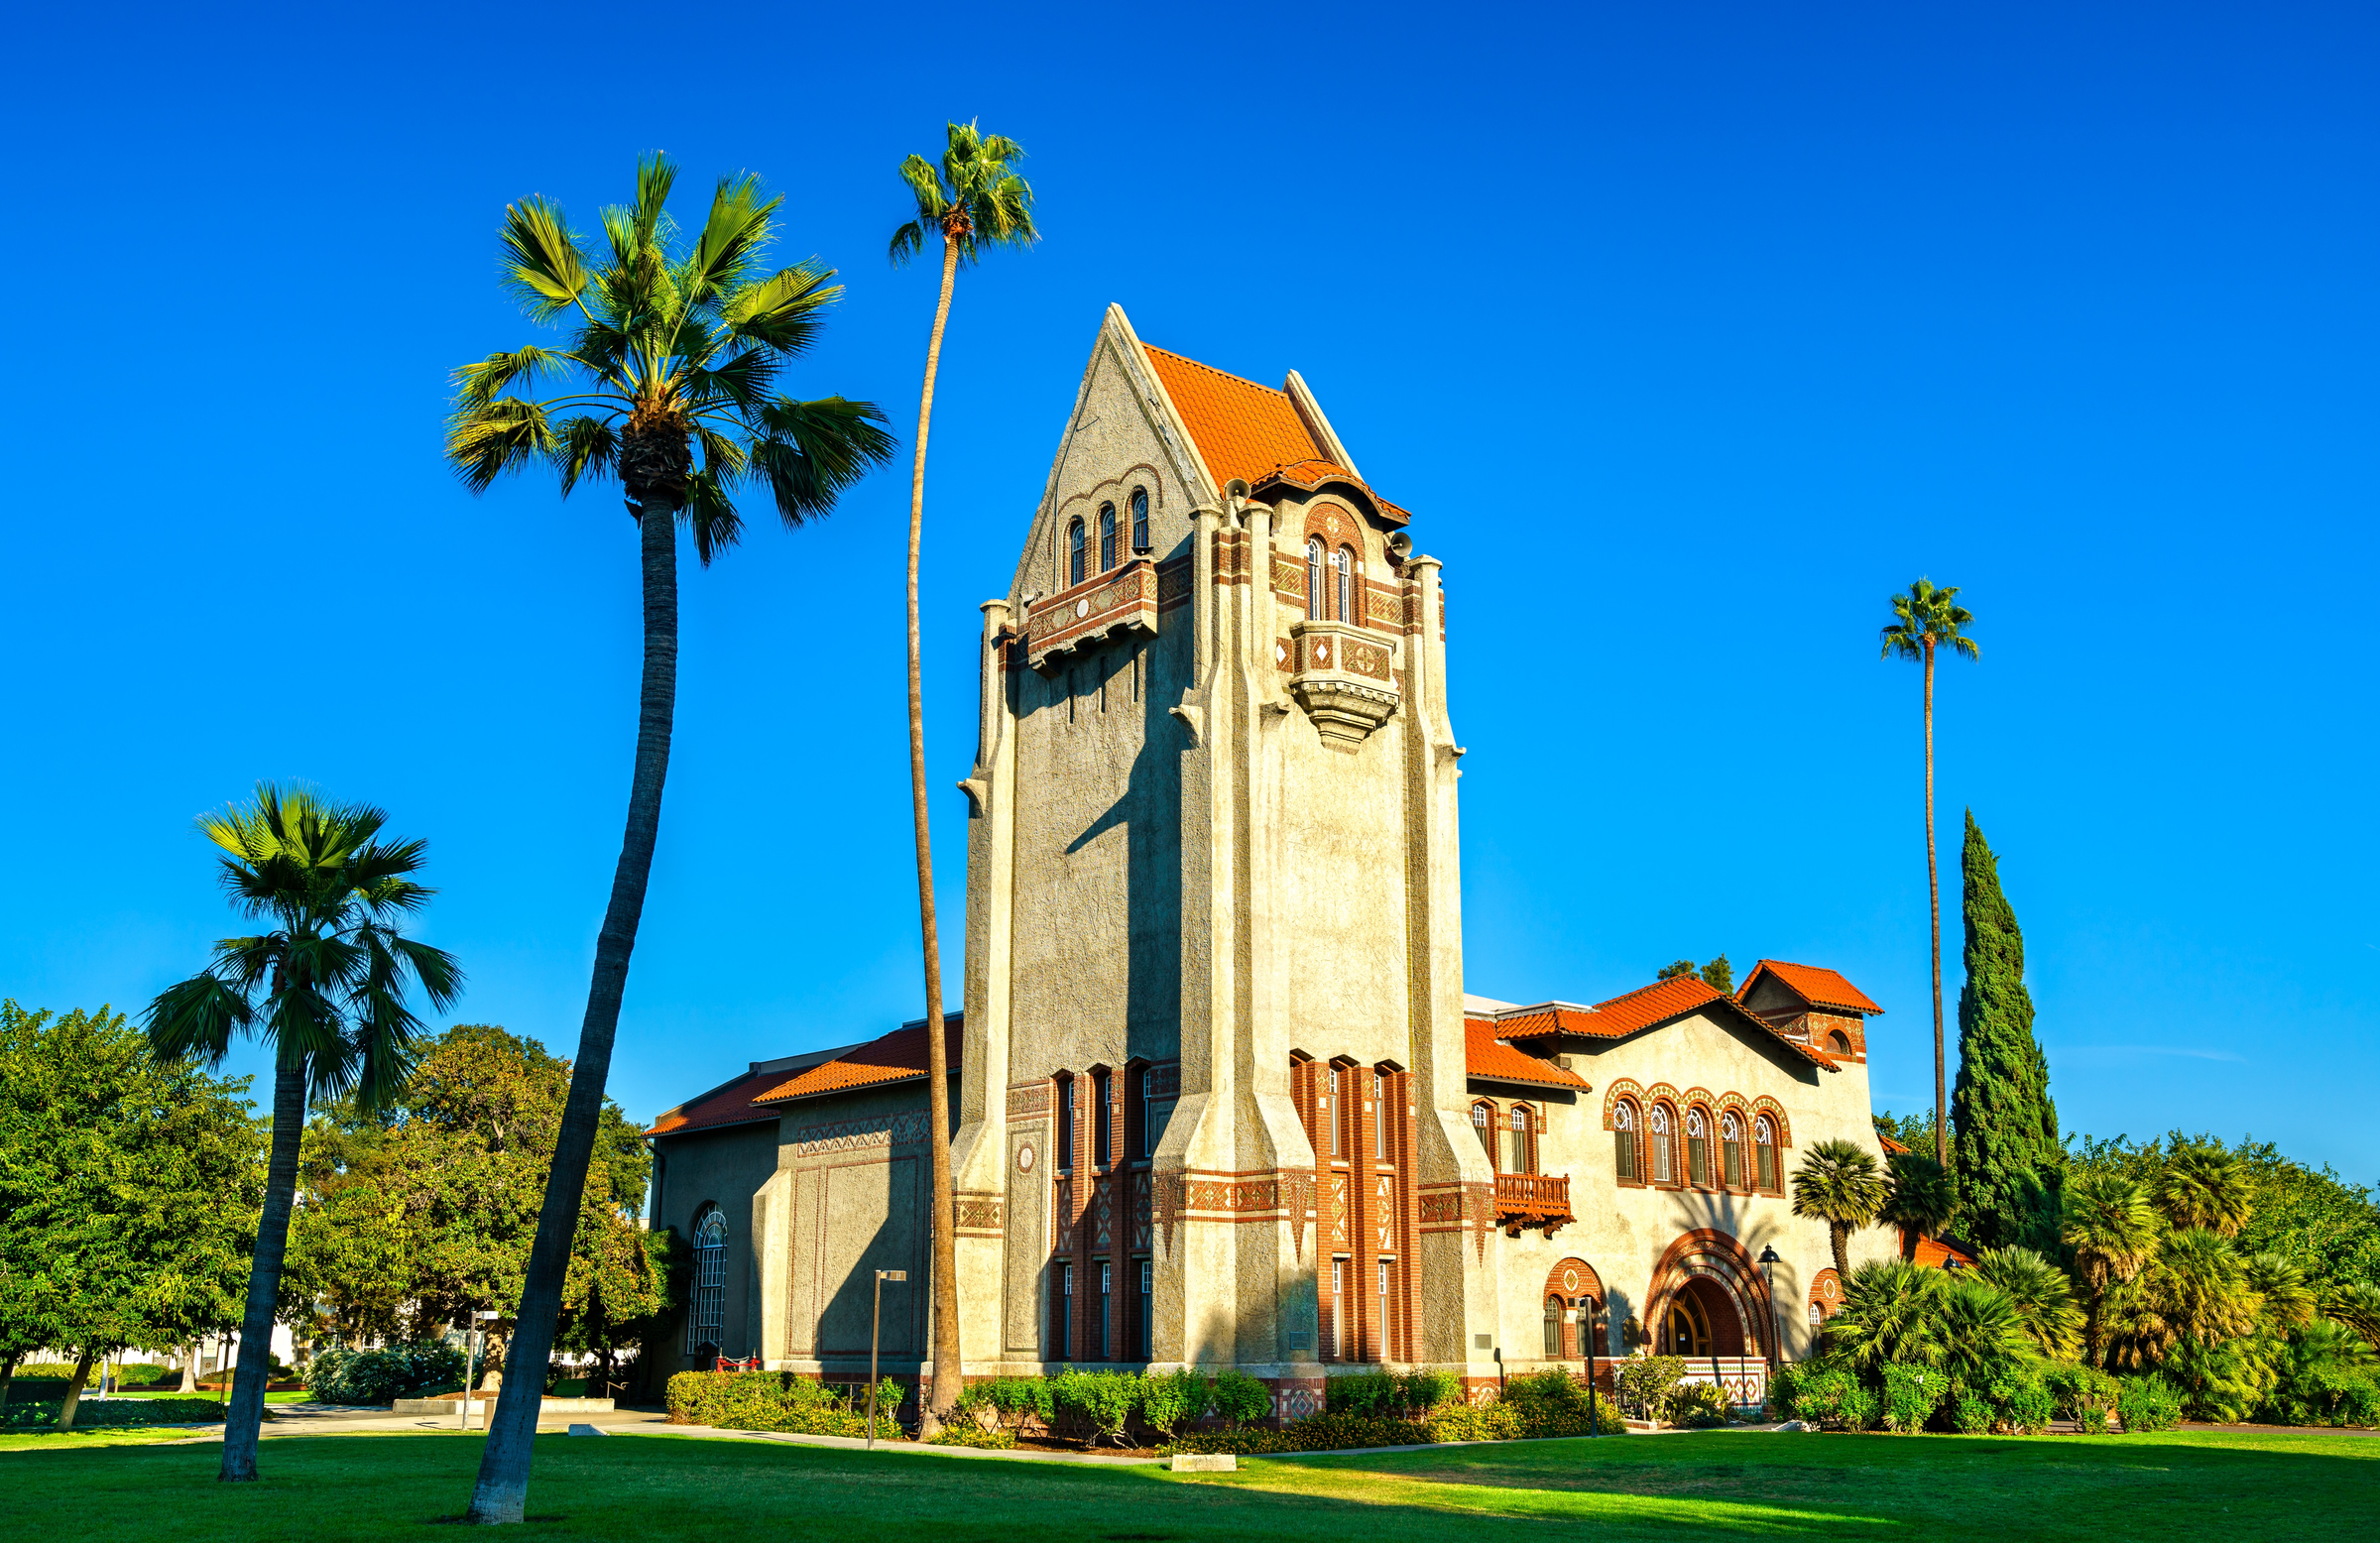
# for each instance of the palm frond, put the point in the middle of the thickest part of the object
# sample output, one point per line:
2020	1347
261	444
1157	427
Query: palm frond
905	242
544	266
786	311
736	230
195	1019
483	442
812	452
586	448
710	515
742	382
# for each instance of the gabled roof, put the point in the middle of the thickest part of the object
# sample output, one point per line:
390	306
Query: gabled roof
730	1102
1890	1145
1634	1011
1487	1057
899	1056
1242	429
1814	984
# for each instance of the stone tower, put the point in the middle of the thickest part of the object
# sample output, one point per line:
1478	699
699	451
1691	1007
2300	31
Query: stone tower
1212	1105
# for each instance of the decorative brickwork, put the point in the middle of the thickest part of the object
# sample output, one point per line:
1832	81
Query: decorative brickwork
850	1136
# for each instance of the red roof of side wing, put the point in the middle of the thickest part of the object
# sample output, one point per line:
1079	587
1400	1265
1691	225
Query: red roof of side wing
1486	1057
896	1057
1814	985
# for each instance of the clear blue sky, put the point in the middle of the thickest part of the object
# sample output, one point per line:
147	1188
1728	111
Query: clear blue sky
1688	333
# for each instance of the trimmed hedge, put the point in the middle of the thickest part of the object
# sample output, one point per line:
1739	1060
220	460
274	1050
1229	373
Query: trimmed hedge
94	1413
1337	1432
783	1401
347	1376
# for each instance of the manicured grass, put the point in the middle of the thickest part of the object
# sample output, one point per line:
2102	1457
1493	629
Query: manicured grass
1724	1485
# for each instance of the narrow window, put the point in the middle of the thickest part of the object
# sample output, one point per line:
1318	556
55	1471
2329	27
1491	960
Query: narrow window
1313	578
1553	1328
1074	552
1338	1308
1061	1316
1106	1318
1345	562
1147	1348
1524	1140
1065	1122
1764	1147
1106	537
1657	1133
1383	1318
1816	1317
1482	1124
1139	520
1380	1115
708	1315
1623	1141
1099	1119
1154	1116
1731	1144
1698	1147
1335	1105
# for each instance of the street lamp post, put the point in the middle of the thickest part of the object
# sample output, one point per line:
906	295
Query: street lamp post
471	1343
876	1331
1776	1331
1594	1420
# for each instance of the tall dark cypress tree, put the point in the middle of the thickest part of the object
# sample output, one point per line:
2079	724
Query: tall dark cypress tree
2010	1164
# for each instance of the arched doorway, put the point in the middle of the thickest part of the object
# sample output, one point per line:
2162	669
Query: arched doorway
1572	1292
1700	1319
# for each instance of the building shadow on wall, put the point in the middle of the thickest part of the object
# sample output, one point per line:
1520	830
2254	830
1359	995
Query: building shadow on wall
848	1308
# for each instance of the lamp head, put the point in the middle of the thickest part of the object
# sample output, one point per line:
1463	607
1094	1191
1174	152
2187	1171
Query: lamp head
1768	1255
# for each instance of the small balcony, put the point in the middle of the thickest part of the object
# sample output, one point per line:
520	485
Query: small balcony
1105	605
1532	1200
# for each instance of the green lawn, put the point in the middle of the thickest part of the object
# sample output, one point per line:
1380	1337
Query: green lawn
1724	1485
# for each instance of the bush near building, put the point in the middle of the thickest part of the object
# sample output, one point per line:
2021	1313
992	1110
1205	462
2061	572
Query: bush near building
380	1376
91	1413
782	1401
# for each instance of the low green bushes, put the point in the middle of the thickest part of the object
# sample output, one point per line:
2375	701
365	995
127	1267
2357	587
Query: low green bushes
782	1401
1555	1403
2148	1403
2019	1397
1646	1383
379	1377
94	1413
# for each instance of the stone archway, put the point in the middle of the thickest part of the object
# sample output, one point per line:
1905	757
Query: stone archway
1707	1275
1574	1285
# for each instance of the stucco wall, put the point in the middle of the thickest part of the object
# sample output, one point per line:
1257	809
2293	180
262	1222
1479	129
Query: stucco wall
727	1168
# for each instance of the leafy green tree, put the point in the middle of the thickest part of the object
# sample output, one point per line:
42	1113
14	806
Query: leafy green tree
129	1190
1674	969
1837	1183
2010	1158
325	989
2204	1185
1920	1199
674	347
2113	1231
1915	1131
1925	619
2044	1298
1719	976
625	1285
974	201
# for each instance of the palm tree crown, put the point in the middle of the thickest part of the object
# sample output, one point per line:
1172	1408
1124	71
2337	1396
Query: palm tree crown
1929	618
2206	1186
674	347
2113	1231
1921	1200
974	198
328	984
1838	1182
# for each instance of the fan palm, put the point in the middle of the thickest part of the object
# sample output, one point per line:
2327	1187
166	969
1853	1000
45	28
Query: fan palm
327	987
2044	1298
1839	1184
1920	1199
2286	1301
1924	620
2357	1306
668	384
2203	1185
1888	1316
1979	1327
974	202
2195	1287
2110	1228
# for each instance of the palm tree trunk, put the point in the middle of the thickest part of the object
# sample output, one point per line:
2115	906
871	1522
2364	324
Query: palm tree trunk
75	1386
8	1374
948	1372
244	1419
502	1490
1941	1098
1841	1237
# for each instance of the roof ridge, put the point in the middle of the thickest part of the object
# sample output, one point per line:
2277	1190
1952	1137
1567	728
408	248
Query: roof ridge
1226	374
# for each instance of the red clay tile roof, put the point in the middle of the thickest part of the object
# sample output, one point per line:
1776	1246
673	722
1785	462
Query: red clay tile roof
729	1105
1310	475
1814	985
1931	1252
1890	1145
1242	429
1634	1011
1485	1056
896	1057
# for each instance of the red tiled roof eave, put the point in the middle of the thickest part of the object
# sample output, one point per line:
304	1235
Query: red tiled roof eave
1632	1013
1815	984
730	1103
899	1056
1254	433
1490	1059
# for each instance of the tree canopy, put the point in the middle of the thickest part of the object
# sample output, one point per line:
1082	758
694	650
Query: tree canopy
2010	1158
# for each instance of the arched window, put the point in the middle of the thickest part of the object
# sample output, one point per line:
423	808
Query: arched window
1764	1153
1343	560
1524	1126
707	1311
1139	519
1698	1147
1553	1328
1661	1138
1624	1142
1065	1137
1730	1143
1335	1108
1074	552
1482	1124
1839	1042
1379	1114
1314	578
1106	537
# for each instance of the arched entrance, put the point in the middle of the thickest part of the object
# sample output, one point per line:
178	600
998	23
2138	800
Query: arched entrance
1700	1319
1706	1292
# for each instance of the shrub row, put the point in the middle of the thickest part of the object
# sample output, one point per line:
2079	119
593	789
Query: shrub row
1103	1406
2015	1397
91	1413
782	1401
1543	1403
379	1377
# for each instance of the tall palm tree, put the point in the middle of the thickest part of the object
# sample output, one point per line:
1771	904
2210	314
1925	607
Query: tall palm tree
325	988
2113	1231
673	347
2204	1185
1924	620
1838	1183
1921	1199
975	202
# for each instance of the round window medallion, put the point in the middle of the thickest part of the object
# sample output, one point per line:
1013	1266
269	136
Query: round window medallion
1025	1158
1082	607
